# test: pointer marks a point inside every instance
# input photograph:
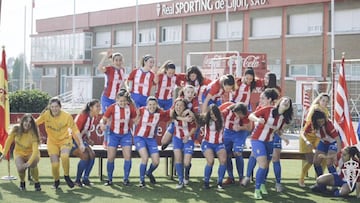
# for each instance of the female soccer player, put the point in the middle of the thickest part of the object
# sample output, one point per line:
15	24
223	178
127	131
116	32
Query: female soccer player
85	122
182	133
245	86
237	127
344	179
114	77
142	81
144	137
194	77
214	91
213	144
166	80
310	141
60	129
329	144
26	152
121	114
268	119
187	94
267	98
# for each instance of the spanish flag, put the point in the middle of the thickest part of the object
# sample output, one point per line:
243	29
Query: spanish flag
4	101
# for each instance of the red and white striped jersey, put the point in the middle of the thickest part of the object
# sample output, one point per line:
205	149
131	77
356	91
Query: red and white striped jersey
148	122
326	133
230	119
120	118
142	81
113	81
183	128
242	94
212	136
84	122
215	89
166	86
264	132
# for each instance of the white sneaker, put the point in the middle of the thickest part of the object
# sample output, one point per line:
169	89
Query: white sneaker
179	186
279	187
186	182
245	181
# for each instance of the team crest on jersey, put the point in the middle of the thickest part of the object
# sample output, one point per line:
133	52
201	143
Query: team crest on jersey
351	172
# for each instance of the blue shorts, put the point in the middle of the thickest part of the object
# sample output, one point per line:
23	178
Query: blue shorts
171	128
326	147
114	140
75	146
261	148
106	102
277	141
337	180
140	100
165	104
187	148
214	147
235	140
217	102
149	143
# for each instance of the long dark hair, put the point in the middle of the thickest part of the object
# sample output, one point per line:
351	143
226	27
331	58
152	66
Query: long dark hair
19	129
173	112
216	111
124	93
87	108
318	114
288	114
239	107
271	93
272	80
250	71
196	70
353	152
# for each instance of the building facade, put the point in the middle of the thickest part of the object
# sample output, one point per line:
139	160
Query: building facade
294	34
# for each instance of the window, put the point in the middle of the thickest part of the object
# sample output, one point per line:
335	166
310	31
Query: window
147	36
352	71
83	70
275	69
313	70
235	29
305	23
347	20
170	34
62	47
50	72
264	27
123	38
198	32
102	39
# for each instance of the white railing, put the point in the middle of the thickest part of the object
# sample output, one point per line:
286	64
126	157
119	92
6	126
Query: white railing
68	101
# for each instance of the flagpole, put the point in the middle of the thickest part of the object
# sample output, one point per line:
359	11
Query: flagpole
137	34
332	55
24	59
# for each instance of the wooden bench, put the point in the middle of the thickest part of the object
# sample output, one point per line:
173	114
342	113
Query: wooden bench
101	154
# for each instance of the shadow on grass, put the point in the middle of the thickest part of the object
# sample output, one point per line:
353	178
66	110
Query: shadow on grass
163	191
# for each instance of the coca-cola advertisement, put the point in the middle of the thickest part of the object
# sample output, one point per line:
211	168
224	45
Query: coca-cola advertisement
255	60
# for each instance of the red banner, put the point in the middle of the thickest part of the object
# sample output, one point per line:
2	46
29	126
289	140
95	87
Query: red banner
343	121
4	102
